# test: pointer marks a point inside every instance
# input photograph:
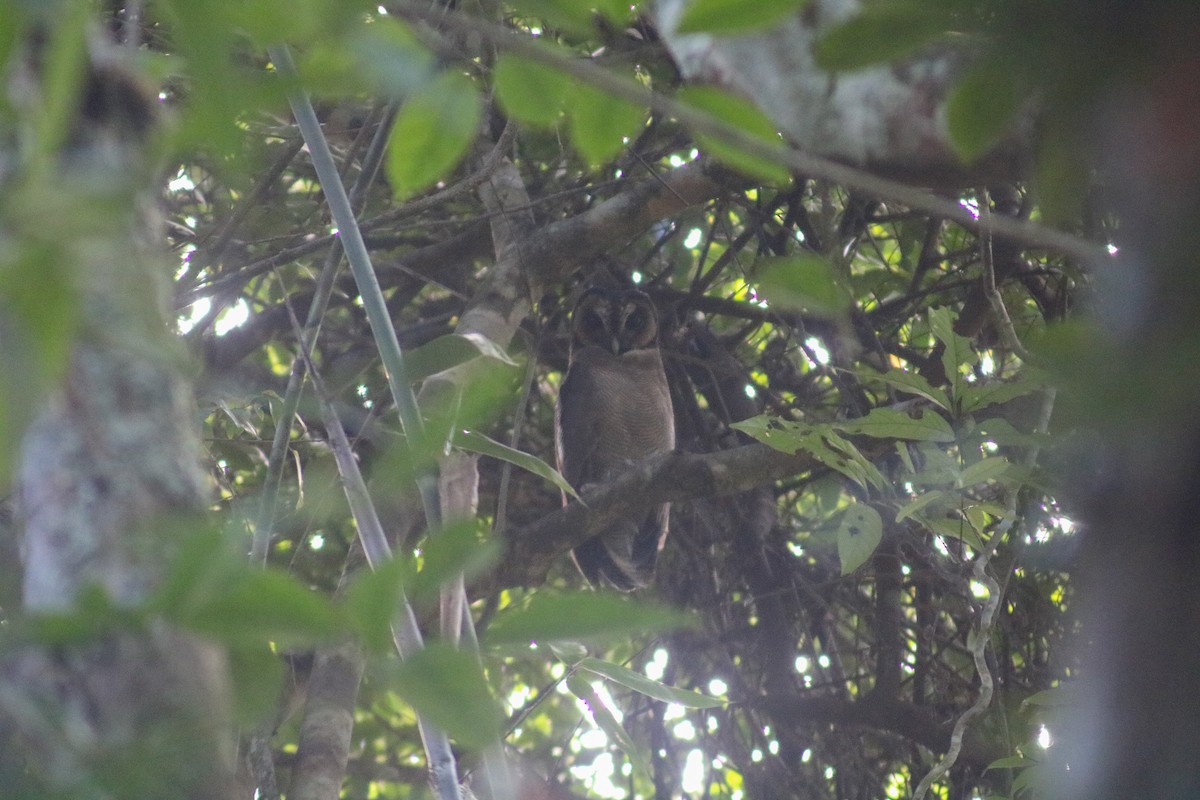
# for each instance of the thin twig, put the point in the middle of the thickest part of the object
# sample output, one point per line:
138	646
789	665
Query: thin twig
995	301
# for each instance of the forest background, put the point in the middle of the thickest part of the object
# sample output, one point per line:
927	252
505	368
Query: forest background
283	310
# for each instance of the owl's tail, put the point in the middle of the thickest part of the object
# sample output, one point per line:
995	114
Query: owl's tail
623	557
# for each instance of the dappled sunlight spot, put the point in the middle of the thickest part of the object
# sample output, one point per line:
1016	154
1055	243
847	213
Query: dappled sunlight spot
823	661
182	182
1063	525
657	666
694	772
185	259
233	317
601	690
593	739
717	687
1044	739
802	665
636	276
684	730
970	204
896	786
316	542
979	590
806	756
817	348
198	311
693	238
598	776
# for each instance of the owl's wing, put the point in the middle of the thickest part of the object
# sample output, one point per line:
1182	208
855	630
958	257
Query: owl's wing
577	426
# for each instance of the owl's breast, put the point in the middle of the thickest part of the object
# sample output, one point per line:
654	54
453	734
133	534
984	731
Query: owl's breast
632	405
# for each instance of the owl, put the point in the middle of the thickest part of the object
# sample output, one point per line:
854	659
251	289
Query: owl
614	409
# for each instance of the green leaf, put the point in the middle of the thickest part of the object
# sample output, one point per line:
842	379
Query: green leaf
983	471
263	606
958	352
977	396
447	687
474	442
529	91
1030	777
606	720
915	383
919	502
62	76
819	441
457	549
803	282
1062	695
742	114
582	615
882	32
449	351
952	529
868	473
389	57
1010	762
432	133
735	16
601	122
783	435
372	600
640	683
982	106
859	532
891	423
257	677
572	16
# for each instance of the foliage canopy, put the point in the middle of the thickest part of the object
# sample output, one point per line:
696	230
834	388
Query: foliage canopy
819	622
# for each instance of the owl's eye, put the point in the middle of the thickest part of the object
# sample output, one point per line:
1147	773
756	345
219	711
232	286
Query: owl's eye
637	321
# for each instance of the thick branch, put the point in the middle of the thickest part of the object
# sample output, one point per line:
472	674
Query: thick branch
672	477
915	723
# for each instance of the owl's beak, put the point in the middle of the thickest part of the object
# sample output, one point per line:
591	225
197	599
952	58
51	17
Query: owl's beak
616	346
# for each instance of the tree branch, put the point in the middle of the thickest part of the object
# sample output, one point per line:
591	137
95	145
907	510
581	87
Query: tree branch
672	477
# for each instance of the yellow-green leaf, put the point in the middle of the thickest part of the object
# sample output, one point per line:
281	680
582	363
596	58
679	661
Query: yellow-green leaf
804	282
432	133
447	687
880	33
741	114
582	615
859	532
924	425
735	16
981	108
529	91
601	122
640	683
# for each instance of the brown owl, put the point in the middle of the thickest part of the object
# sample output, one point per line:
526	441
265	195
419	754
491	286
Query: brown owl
614	409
